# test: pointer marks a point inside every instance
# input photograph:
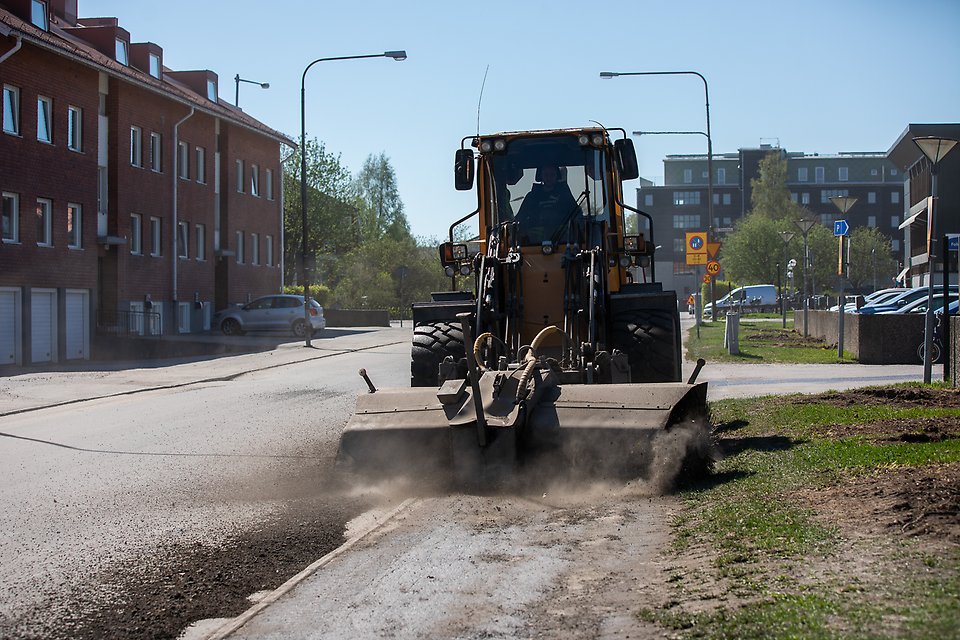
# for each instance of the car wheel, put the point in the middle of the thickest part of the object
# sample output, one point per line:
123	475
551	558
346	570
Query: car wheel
231	327
300	328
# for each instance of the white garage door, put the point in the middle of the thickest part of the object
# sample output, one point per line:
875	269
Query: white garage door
78	325
43	325
9	326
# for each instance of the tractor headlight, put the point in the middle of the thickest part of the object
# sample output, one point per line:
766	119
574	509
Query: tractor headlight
625	261
597	140
486	146
499	145
450	271
465	269
459	252
546	247
583	139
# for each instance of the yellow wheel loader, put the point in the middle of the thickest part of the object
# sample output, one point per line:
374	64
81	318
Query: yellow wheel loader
565	357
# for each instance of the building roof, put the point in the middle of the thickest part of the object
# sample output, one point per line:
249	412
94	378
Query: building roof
62	43
905	153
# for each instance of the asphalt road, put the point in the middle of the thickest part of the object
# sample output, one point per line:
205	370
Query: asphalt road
111	504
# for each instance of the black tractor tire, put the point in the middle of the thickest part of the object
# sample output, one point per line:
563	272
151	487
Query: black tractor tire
646	336
432	342
231	327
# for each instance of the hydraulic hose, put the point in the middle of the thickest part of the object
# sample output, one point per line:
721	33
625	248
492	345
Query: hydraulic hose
530	359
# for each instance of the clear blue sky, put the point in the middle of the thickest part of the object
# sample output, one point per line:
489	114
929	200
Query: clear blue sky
818	76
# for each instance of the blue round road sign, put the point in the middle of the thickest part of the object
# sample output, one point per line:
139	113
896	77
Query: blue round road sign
696	242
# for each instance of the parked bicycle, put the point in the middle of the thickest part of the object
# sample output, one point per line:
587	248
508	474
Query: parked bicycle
936	346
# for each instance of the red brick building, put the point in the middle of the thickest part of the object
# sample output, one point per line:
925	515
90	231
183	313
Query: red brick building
134	201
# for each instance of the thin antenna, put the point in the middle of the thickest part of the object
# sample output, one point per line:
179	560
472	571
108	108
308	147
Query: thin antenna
480	100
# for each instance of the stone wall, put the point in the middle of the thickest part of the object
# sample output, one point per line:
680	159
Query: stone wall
889	338
356	317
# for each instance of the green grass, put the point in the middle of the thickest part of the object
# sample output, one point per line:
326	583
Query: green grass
761	342
762	540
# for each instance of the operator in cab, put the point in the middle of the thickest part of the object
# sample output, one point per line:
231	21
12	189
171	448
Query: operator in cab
548	209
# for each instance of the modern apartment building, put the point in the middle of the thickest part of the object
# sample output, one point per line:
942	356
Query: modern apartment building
681	203
134	200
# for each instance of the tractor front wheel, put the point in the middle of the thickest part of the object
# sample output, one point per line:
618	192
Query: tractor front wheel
432	342
647	337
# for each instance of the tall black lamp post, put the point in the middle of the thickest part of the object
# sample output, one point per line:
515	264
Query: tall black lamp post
706	94
843	203
934	148
238	80
304	251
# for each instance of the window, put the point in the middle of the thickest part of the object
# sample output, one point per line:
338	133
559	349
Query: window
893	172
201	165
74	226
255	180
239	176
820	174
201	242
727	199
687	176
183	161
690	221
11	109
75	128
679	245
872	197
11	217
872	222
894	197
121	51
648	200
44	123
682	198
255	248
804	198
826	194
269	184
211	90
268	245
894	222
183	239
155	238
802	175
44	222
239	247
136	235
794	197
843	173
156	148
136	137
184	310
716	198
721	176
155	65
38	14
827	219
895	245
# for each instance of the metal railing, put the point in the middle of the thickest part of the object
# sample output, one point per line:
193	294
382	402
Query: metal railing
129	323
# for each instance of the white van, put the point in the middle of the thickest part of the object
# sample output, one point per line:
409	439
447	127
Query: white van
756	297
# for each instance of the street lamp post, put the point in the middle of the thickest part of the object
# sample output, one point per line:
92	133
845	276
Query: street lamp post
787	236
706	94
805	224
304	253
238	80
934	148
843	203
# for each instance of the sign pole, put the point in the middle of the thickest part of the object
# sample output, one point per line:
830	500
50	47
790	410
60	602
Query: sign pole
842	303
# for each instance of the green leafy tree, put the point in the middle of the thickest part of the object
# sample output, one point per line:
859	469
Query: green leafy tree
770	196
752	251
330	211
380	207
872	265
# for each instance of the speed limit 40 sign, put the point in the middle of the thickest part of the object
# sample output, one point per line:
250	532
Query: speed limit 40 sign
713	267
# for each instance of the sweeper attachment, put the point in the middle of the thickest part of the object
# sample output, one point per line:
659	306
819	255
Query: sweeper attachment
576	371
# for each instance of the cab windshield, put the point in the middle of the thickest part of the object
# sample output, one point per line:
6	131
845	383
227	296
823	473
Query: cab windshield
550	188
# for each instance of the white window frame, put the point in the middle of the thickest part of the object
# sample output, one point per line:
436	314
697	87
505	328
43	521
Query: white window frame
721	175
136	146
44	215
894	197
74	225
183	160
254	180
156	152
255	249
183	240
122	52
201	165
201	235
184	310
155	65
136	234
894	222
12	236
871	197
41	21
240	176
269	179
803	174
211	90
11	109
239	241
843	174
805	198
156	237
819	175
687	176
268	243
45	119
727	199
75	129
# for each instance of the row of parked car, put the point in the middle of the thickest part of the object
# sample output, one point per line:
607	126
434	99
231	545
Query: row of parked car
902	300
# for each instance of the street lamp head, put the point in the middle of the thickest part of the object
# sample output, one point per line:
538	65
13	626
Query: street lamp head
787	236
264	85
606	75
843	203
934	147
805	224
396	55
